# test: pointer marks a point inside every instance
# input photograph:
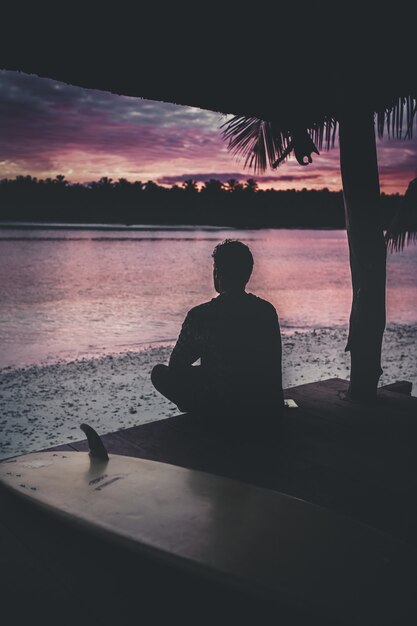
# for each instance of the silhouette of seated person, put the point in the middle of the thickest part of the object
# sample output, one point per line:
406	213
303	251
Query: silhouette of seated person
236	335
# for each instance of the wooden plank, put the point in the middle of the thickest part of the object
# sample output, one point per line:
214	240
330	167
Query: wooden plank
401	386
322	402
310	440
386	459
382	442
391	415
80	446
333	390
400	403
65	447
179	441
118	443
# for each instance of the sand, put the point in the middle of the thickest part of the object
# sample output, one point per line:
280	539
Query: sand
43	405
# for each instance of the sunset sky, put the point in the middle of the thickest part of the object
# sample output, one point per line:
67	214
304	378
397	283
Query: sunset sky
49	128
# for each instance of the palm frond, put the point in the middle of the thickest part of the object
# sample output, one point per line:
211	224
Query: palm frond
398	242
391	118
403	228
262	143
255	140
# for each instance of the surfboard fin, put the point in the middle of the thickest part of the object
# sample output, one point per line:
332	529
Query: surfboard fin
95	444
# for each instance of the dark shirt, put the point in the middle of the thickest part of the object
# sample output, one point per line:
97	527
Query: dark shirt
238	339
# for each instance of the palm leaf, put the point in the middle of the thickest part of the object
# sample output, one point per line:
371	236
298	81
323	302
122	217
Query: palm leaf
257	141
391	118
403	228
261	143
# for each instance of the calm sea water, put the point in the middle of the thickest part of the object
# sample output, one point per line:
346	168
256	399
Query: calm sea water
67	293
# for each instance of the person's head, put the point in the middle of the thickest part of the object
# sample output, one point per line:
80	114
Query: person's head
233	264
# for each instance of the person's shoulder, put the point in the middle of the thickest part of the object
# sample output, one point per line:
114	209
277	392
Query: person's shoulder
261	304
201	310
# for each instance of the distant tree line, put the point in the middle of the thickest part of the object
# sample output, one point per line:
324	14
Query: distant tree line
244	205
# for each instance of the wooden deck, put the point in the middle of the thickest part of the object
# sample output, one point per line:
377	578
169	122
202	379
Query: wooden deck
357	460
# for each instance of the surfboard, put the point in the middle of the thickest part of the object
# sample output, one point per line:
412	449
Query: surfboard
263	543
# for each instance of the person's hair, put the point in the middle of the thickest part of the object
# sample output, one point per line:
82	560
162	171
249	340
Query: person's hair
234	262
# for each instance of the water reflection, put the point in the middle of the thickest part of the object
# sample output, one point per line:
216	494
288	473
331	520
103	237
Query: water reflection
69	292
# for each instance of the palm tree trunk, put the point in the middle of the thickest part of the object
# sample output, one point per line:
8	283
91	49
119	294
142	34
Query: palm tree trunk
367	251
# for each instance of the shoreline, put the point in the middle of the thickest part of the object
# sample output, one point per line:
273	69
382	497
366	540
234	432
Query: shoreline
143	227
107	226
66	357
43	405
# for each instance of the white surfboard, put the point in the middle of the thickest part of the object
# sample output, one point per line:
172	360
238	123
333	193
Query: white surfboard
254	538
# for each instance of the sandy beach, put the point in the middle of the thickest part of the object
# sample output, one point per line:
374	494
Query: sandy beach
43	405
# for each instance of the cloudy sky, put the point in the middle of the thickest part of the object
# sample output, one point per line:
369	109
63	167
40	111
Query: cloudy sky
49	128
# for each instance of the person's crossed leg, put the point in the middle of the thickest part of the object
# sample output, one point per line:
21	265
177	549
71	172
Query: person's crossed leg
182	387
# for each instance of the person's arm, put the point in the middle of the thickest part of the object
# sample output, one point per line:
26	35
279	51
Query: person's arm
187	349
